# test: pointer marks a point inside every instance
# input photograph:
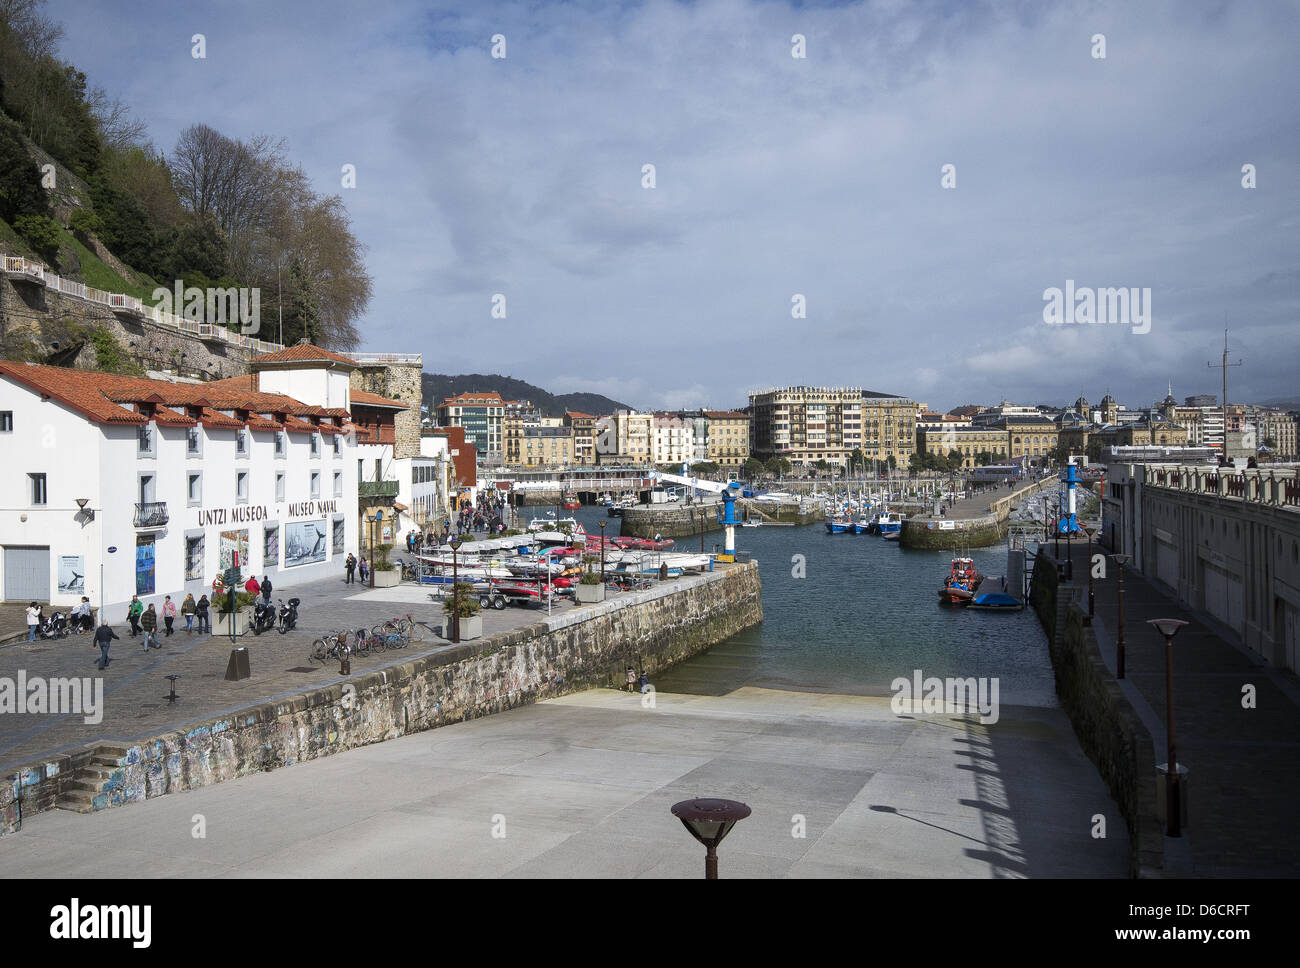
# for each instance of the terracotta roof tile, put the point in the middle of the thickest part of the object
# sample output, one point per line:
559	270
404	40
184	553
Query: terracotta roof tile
364	398
301	353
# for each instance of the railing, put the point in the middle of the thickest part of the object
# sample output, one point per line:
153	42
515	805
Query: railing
377	489
386	357
1253	486
117	300
151	514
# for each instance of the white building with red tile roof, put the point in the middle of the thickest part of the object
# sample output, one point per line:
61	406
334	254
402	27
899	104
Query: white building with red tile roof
164	485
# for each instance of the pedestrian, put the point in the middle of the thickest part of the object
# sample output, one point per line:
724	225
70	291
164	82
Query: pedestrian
363	569
266	588
33	621
350	566
149	622
631	679
133	613
104	636
201	612
188	608
169	613
82	621
252	587
645	681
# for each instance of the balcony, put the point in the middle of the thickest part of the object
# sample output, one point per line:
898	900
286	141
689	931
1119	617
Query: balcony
151	515
377	489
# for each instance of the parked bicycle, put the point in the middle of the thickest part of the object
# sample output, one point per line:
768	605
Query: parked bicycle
333	645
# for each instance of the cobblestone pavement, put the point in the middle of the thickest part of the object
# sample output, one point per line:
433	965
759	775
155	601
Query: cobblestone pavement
135	689
1242	783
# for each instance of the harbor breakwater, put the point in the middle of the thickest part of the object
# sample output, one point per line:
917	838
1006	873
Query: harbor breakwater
967	530
583	648
684	520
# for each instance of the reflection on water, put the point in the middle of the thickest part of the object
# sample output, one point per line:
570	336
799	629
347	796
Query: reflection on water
866	613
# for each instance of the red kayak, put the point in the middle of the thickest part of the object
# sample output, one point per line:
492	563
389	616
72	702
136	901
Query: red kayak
642	544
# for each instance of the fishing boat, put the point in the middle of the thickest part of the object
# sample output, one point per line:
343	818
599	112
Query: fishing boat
862	526
960	585
889	524
839	526
571	502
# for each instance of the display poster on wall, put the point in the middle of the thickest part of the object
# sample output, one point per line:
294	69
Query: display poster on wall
144	577
338	536
234	549
271	547
304	542
194	557
72	575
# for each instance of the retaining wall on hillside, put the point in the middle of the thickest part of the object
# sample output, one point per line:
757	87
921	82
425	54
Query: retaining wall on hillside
585	647
1109	729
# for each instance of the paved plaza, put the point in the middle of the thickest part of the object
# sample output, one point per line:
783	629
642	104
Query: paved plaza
581	786
135	686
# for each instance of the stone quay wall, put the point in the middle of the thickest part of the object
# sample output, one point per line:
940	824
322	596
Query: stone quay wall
1109	729
952	534
583	648
684	520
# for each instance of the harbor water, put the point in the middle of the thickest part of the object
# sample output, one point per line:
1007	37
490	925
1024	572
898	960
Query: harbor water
864	613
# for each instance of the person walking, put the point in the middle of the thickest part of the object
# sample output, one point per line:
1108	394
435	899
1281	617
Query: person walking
149	622
350	565
133	613
188	608
252	587
104	636
169	613
364	569
201	613
33	621
266	588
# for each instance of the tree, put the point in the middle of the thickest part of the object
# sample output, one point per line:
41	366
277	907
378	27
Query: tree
857	459
20	179
42	233
753	466
892	462
955	460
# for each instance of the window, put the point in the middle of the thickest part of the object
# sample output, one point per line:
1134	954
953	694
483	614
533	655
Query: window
6	421
144	441
271	546
38	491
195	488
241	443
241	486
315	445
279	443
192	442
279	485
146	489
338	483
315	484
338	445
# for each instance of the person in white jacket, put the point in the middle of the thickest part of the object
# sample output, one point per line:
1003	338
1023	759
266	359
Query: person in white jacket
33	621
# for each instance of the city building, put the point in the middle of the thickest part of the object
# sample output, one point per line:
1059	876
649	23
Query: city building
970	442
480	415
672	439
157	487
806	424
1031	436
726	438
582	427
624	438
888	428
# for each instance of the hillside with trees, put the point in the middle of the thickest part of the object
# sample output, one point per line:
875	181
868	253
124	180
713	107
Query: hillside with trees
120	214
438	386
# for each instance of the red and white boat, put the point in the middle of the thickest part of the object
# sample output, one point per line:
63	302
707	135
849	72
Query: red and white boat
642	544
960	585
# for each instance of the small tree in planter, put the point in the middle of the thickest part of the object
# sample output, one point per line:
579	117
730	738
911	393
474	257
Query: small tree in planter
463	602
386	573
590	587
220	608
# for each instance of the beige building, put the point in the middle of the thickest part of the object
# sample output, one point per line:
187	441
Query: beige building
1279	427
624	437
1034	437
888	428
672	439
727	437
968	441
808	424
583	428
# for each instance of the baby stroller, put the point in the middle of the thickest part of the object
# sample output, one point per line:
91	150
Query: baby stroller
54	627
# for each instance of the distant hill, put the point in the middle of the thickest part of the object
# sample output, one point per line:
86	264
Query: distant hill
1282	403
439	386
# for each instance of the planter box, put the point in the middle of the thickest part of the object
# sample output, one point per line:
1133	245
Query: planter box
221	621
470	628
588	594
387	579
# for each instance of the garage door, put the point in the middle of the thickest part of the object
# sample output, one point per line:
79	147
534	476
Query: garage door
1223	596
27	574
1167	563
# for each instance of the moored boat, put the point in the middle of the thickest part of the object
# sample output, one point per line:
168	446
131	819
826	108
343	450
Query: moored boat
839	526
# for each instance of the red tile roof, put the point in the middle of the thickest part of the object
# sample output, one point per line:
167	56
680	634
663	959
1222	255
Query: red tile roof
364	398
487	398
576	413
301	353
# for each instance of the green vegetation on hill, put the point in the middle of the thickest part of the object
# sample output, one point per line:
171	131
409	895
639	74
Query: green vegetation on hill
437	387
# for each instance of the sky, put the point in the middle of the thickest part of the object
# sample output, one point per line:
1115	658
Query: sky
777	180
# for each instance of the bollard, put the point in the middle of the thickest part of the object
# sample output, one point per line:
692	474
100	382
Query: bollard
172	697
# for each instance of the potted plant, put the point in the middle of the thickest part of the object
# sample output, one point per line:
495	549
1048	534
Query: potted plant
221	617
589	588
386	573
463	601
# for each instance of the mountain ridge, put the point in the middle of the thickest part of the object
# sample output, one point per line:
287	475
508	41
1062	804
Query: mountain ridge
435	387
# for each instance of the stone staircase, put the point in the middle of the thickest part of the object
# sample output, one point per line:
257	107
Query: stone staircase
88	782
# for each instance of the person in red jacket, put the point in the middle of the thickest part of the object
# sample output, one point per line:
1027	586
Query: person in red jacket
251	586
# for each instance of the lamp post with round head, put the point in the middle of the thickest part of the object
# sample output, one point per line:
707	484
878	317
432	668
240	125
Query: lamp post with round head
709	820
1120	560
1168	627
602	552
455	591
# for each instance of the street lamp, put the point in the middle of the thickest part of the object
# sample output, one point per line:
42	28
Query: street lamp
379	517
1168	627
1120	560
602	552
455	591
709	820
1091	593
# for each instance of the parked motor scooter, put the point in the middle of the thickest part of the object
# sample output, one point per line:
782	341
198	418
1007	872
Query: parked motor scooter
288	615
263	616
